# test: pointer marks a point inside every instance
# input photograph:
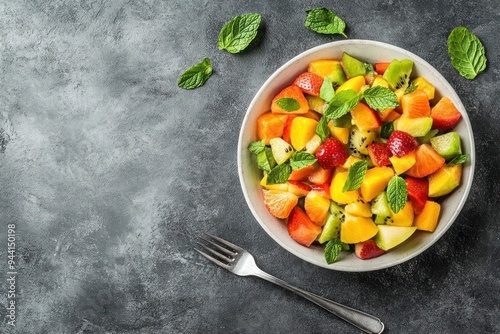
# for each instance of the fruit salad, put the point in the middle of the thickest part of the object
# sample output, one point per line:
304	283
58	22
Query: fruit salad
356	156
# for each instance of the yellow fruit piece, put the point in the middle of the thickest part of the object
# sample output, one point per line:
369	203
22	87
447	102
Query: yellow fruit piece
302	131
277	186
341	134
357	229
336	187
359	208
316	207
403	217
375	181
402	164
324	67
316	103
444	180
379	81
427	220
350	161
425	85
356	84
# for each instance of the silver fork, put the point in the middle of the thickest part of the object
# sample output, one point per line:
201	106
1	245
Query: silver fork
240	262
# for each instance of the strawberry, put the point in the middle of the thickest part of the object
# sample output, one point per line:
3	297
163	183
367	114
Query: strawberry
401	143
298	188
301	228
310	83
367	249
279	203
380	154
445	115
331	153
322	189
418	189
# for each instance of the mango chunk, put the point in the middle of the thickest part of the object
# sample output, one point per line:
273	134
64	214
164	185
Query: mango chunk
375	181
428	219
444	180
302	131
357	229
336	187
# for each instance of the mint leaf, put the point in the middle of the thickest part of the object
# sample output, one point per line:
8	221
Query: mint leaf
326	91
333	249
459	159
279	174
397	193
322	129
386	130
288	104
466	52
300	159
355	175
324	21
380	98
196	76
343	102
257	146
265	159
238	33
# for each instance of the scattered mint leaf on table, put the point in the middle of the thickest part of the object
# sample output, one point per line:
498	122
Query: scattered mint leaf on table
324	21
466	52
288	104
333	249
196	76
355	175
238	33
397	193
380	98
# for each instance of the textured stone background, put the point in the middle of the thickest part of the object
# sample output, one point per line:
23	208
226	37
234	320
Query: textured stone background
110	171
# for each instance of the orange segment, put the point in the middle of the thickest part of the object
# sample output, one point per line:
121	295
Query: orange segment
316	207
279	203
270	126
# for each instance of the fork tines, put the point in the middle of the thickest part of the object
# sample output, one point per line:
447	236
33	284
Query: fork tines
224	255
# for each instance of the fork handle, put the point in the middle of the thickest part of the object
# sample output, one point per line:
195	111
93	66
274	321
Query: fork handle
364	321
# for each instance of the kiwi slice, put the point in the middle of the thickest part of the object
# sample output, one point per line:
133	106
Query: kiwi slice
398	73
337	76
354	67
331	229
380	208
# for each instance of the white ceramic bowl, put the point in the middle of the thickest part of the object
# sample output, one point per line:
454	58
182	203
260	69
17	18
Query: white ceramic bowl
369	51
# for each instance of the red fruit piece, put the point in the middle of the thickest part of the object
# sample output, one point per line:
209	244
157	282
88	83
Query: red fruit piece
322	189
418	190
367	250
445	115
286	129
301	228
401	143
365	117
427	161
310	83
320	176
381	67
331	153
380	154
298	188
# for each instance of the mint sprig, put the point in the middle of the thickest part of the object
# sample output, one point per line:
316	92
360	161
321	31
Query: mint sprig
326	91
324	21
380	98
238	33
333	249
288	104
257	146
265	160
279	174
322	129
343	102
196	76
466	52
355	175
459	159
396	193
300	159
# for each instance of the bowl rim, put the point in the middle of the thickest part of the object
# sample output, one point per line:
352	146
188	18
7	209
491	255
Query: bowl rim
465	187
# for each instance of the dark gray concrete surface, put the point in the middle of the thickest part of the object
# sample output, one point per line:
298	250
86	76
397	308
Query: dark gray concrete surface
110	172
